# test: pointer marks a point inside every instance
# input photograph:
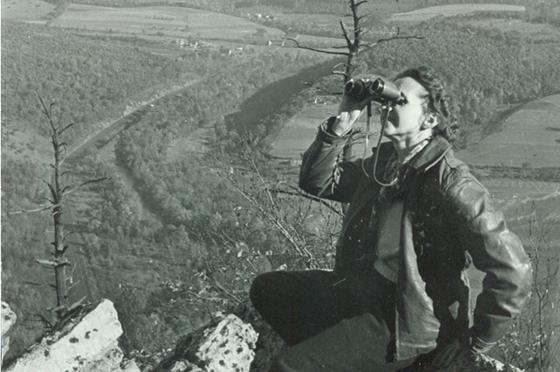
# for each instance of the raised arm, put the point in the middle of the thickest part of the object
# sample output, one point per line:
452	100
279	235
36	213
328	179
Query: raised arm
323	172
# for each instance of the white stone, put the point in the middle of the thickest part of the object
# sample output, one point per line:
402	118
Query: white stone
91	345
229	346
8	320
225	345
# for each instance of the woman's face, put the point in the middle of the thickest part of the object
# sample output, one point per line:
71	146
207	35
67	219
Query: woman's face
406	120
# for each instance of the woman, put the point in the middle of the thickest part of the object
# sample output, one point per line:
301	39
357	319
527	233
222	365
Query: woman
398	296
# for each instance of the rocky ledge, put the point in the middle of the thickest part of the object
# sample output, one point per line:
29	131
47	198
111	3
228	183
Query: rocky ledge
227	344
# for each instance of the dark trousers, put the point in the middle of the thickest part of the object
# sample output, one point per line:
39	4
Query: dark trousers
330	323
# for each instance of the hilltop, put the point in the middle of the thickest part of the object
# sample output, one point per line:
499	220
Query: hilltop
175	234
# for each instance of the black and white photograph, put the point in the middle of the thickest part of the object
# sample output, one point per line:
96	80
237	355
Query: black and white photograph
280	185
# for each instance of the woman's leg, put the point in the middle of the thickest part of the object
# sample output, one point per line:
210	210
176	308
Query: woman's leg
297	304
331	323
358	344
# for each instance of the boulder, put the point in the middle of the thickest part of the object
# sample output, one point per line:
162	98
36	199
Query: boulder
269	344
226	345
8	320
85	344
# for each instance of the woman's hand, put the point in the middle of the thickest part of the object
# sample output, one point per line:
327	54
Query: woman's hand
349	111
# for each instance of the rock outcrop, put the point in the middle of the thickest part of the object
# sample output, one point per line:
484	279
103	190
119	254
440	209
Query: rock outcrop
87	344
225	345
8	320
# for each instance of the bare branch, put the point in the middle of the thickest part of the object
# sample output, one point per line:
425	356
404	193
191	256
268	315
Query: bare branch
39	209
57	309
52	190
298	45
375	43
65	128
360	3
77	304
339	65
339	47
48	112
307	196
345	34
67	235
272	219
267	189
226	292
35	284
88	182
52	263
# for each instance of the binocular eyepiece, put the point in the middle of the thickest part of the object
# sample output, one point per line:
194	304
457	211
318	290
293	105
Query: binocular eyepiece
379	90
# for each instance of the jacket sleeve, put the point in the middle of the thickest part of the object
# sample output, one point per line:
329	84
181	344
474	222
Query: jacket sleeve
323	172
496	251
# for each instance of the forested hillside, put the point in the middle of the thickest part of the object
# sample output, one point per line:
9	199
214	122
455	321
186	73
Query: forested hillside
92	80
118	251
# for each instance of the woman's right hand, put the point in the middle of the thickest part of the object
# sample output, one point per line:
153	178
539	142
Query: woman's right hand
349	111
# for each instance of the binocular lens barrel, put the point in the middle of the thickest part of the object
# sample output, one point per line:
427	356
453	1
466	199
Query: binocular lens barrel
378	90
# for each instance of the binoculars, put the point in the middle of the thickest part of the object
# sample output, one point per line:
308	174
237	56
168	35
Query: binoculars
379	90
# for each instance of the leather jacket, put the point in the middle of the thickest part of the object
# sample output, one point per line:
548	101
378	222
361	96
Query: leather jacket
448	220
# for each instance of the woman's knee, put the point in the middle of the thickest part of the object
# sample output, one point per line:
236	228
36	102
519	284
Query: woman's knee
260	287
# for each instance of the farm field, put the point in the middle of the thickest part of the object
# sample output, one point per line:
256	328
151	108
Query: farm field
524	200
27	10
164	21
300	130
423	14
537	31
530	138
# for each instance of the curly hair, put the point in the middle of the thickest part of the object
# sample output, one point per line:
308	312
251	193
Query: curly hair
440	102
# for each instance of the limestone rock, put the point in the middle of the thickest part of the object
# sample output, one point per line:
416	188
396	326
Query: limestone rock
89	345
269	344
226	345
8	320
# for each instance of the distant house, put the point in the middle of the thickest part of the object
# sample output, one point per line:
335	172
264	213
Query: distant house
295	162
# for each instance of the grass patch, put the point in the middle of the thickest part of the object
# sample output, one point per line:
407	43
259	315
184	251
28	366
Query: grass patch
175	22
424	14
26	10
525	140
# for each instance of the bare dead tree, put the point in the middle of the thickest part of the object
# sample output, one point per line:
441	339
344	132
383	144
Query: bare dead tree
58	192
354	43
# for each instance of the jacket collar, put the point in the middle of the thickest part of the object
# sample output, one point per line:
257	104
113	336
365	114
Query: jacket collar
434	151
431	154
